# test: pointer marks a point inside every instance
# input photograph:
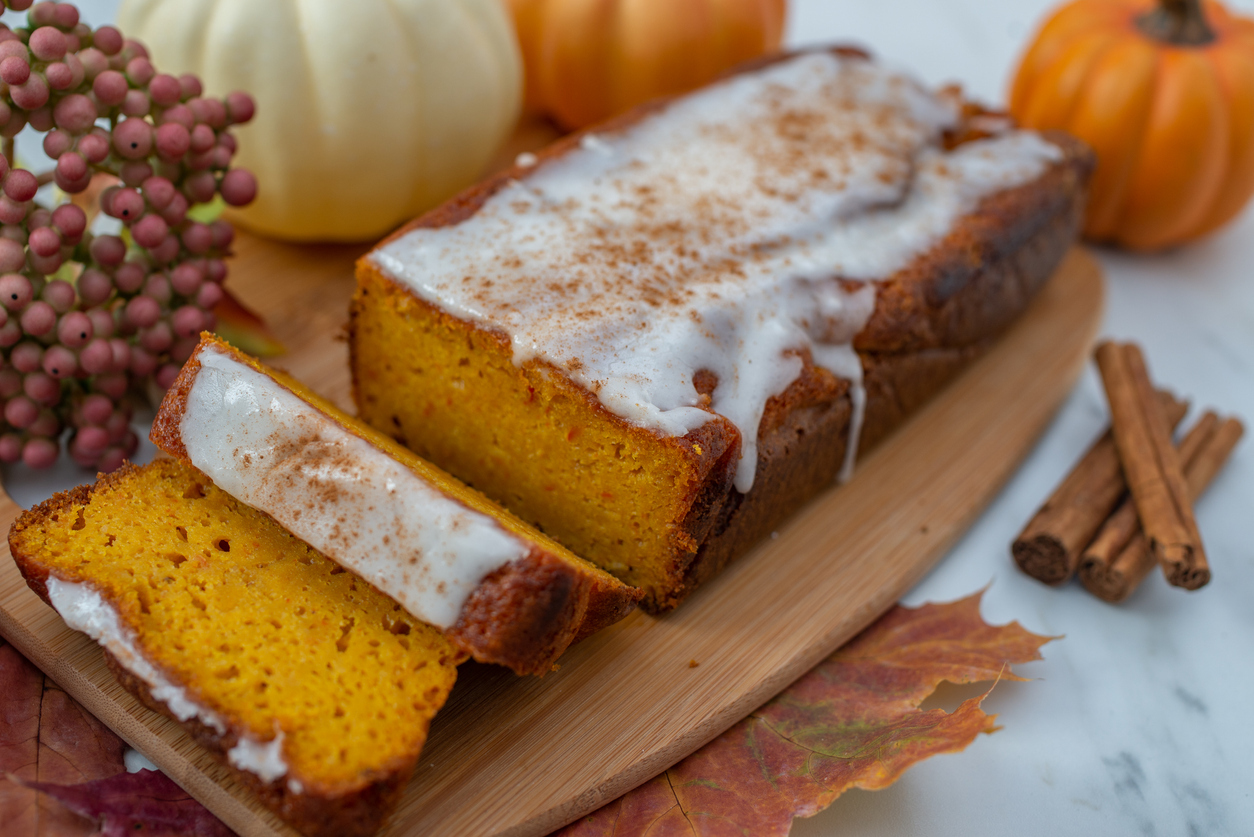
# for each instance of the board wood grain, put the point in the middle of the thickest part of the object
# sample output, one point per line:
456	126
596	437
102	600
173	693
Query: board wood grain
520	756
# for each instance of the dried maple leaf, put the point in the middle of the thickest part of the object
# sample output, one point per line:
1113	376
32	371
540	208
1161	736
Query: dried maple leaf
127	803
46	736
852	721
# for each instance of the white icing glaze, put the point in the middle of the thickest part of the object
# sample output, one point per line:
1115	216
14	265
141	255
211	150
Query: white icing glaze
729	232
343	496
84	609
264	758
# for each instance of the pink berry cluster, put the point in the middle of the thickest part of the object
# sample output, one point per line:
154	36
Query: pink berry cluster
87	322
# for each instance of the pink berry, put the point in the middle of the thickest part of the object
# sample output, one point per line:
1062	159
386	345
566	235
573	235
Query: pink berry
110	88
130	277
75	329
41	388
108	250
136	103
172	141
113	385
126	204
164	90
64	173
41	118
240	107
70	220
10	448
57	143
96	357
143	311
158	288
157	190
15	291
107	39
39	453
20	185
166	375
10	333
209	296
179	115
45	241
135	172
187	321
94	147
219	158
12	255
198	239
14	70
200	187
26	356
157	338
11	382
186	279
215	270
20	411
132	139
12	212
96	409
202	139
38	319
59	294
214	113
77	71
66	15
46	264
142	363
46	423
39	217
238	187
94	62
32	94
91	439
111	460
150	231
167	251
12	47
60	362
13	123
140	71
101	322
190	85
176	211
135	48
59	76
47	43
199	162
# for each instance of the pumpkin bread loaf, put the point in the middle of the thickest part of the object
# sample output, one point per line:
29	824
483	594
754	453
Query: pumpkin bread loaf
657	338
499	589
313	687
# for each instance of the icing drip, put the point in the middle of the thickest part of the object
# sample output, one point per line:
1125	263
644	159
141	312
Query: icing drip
84	609
343	496
731	232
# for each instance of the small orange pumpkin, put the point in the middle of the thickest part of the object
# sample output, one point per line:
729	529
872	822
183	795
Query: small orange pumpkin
589	59
1164	93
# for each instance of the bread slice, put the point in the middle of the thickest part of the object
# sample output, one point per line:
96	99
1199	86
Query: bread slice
657	338
499	589
313	687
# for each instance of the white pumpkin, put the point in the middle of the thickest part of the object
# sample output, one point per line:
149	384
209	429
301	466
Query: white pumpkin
368	112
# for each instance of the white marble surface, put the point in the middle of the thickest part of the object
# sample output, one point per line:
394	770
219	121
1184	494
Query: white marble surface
1138	722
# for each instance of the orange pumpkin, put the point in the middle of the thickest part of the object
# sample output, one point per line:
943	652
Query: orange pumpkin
589	59
1164	93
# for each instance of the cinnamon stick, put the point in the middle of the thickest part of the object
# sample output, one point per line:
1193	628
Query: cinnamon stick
1119	558
1151	466
1049	547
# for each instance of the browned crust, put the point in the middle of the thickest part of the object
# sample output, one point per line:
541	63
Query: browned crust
317	811
929	321
523	616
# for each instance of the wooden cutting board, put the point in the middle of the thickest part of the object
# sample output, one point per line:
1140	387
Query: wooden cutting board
521	756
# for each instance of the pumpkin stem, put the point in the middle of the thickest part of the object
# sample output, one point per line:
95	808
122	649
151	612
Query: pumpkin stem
1178	22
